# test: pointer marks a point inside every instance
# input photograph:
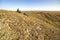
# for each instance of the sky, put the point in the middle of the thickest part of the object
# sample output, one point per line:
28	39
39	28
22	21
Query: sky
44	5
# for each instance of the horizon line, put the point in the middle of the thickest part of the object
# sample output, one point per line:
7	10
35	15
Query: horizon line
28	10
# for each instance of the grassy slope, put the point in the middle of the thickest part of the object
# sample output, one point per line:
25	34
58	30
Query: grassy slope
36	26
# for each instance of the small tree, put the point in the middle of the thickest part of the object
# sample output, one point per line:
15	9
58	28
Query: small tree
18	10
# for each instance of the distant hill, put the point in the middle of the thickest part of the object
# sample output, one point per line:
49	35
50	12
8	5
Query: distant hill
38	25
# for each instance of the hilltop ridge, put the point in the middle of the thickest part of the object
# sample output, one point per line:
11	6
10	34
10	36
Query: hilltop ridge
38	25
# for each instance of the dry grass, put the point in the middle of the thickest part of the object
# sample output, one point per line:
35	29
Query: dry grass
38	25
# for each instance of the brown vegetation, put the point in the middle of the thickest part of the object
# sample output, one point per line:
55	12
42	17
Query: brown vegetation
38	25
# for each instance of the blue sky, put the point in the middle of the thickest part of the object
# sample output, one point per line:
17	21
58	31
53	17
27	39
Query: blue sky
49	5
